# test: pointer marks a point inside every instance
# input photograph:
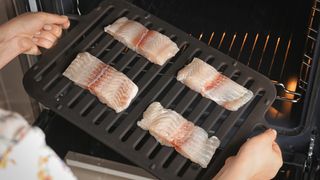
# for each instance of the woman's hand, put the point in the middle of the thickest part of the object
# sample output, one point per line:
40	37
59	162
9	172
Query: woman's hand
26	33
258	159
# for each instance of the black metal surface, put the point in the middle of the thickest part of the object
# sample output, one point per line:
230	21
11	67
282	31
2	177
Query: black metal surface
45	82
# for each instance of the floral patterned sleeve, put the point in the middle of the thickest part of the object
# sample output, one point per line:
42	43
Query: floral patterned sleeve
24	153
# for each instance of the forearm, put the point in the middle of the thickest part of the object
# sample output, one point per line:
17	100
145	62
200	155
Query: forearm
5	32
234	169
7	52
24	153
9	47
230	174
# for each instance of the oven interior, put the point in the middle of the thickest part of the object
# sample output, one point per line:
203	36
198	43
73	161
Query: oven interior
276	38
268	36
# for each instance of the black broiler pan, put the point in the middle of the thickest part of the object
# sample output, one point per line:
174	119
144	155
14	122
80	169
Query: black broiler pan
45	83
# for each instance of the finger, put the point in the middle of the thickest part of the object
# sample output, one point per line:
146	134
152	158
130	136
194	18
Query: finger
269	135
53	29
34	50
278	155
55	19
46	35
276	148
229	159
42	42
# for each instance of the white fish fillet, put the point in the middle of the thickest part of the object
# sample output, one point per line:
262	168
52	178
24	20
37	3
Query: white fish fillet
172	130
205	79
153	45
110	86
126	31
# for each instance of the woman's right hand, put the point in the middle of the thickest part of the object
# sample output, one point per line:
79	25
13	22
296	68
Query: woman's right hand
259	158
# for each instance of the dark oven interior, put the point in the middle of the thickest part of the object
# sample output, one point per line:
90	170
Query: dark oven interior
276	38
268	36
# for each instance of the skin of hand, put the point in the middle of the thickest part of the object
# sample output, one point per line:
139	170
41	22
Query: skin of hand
27	32
259	158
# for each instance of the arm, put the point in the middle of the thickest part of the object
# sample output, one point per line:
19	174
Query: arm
258	159
24	153
26	33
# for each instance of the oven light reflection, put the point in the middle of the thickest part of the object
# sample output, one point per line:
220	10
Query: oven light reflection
291	86
282	109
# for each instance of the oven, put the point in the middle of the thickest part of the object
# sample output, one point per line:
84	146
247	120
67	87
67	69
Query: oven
279	39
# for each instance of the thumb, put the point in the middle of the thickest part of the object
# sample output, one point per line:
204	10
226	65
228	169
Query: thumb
19	45
269	135
55	19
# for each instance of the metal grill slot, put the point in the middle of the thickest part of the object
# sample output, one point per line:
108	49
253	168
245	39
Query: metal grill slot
89	107
184	169
126	60
155	151
83	103
116	124
62	88
52	82
141	67
127	135
96	112
194	106
101	117
100	48
178	163
172	90
147	145
141	141
77	98
206	113
169	159
192	172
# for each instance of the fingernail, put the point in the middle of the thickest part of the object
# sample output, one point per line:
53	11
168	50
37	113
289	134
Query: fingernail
38	52
273	131
47	27
35	39
37	33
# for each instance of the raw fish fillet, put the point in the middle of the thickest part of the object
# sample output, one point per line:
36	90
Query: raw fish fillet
127	31
153	45
171	129
110	86
205	79
157	47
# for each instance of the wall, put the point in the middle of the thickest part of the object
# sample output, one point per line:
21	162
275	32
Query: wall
12	94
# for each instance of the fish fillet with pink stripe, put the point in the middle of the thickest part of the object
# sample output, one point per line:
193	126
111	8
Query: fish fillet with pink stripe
110	86
205	79
173	130
151	44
